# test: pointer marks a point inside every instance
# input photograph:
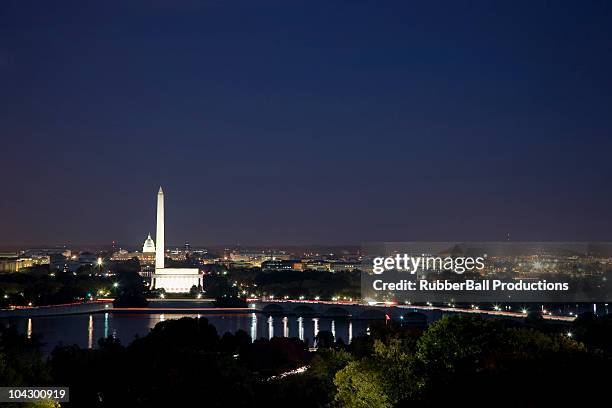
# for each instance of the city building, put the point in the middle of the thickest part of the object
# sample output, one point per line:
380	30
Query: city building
282	265
149	245
253	258
345	266
146	257
74	262
12	262
47	252
317	265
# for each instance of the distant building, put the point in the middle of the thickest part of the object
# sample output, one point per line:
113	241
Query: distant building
37	252
146	257
149	246
176	255
254	258
344	266
73	263
317	265
87	259
11	262
282	265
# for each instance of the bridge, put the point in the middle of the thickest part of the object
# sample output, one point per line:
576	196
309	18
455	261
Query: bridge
418	315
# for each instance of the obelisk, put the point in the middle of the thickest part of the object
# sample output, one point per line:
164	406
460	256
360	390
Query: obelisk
159	235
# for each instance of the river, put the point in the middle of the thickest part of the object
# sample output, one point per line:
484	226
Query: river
84	330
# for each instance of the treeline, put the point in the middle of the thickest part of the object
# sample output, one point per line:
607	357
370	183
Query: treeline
457	360
41	286
179	362
293	284
310	284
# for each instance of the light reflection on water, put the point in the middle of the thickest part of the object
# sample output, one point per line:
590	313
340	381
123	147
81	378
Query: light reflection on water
253	326
86	330
270	327
301	328
106	324
285	326
90	332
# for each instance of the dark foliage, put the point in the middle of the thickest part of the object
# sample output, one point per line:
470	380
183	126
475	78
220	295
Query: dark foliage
456	361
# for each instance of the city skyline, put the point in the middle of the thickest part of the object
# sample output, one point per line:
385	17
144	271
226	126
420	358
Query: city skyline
305	204
305	125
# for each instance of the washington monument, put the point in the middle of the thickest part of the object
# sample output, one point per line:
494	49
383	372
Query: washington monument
159	233
177	280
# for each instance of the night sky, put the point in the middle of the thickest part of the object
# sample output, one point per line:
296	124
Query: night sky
287	122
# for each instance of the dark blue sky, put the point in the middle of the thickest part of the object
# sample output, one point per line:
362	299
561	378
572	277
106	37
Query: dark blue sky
292	122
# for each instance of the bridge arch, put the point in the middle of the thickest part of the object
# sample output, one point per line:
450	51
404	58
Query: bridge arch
372	314
304	310
337	311
273	309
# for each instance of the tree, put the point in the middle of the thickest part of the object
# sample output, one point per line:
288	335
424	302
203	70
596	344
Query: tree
131	291
194	291
360	385
43	404
21	363
324	339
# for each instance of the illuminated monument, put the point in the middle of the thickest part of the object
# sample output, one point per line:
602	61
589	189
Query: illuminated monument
173	280
149	246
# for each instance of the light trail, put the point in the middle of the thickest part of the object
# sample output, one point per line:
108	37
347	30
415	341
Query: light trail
392	304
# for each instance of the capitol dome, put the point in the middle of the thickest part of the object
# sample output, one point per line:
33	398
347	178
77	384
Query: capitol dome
149	245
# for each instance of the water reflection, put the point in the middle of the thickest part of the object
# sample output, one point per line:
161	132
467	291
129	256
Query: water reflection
253	327
85	330
270	327
106	324
90	332
285	326
301	328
